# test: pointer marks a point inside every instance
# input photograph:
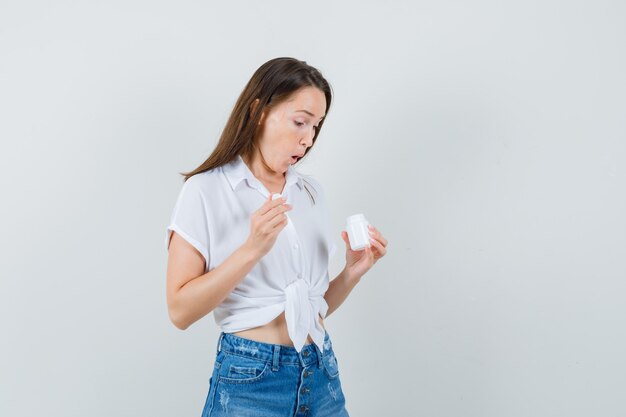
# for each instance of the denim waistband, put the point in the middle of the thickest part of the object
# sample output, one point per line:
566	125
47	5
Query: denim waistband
308	355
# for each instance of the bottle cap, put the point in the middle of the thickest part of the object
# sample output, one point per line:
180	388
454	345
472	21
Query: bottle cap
359	217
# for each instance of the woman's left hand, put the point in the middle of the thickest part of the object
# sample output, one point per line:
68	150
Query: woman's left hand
359	262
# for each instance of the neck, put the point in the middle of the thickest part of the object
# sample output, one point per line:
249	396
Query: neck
261	170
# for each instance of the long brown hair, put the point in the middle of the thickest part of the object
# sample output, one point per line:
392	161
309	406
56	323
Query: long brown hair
272	83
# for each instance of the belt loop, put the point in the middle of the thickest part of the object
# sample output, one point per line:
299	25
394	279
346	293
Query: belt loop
320	364
219	342
275	358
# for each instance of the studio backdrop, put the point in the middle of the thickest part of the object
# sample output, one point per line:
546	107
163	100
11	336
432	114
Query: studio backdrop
485	140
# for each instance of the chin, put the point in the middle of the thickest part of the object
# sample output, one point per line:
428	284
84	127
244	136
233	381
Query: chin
282	169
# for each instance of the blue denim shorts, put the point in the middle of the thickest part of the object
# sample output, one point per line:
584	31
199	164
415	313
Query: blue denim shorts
253	378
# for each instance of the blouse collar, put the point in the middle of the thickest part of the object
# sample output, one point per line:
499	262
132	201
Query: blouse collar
237	170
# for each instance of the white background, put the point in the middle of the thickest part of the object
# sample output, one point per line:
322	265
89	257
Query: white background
485	139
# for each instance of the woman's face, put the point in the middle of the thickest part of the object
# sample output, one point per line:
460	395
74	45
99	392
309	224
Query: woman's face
288	129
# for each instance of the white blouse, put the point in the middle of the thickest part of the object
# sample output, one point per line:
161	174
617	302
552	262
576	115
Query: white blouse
213	212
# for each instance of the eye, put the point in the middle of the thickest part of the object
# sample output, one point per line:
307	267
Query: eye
300	124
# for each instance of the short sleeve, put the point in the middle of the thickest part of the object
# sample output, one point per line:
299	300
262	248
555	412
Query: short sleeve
190	218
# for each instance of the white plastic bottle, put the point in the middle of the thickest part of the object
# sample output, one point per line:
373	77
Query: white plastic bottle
358	233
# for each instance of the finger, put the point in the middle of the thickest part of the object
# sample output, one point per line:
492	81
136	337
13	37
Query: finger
277	221
276	211
271	204
276	215
277	201
374	232
373	256
378	247
267	204
261	210
369	254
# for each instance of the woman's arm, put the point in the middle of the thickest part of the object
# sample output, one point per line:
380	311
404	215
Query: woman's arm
191	294
338	290
357	263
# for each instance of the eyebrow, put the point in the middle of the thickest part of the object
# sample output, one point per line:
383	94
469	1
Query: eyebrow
309	113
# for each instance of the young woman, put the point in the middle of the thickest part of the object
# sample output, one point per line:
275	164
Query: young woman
261	263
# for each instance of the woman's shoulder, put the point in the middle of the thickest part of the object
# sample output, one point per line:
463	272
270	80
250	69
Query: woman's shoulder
205	181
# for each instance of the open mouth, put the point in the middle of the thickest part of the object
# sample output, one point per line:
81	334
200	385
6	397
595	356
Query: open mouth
294	159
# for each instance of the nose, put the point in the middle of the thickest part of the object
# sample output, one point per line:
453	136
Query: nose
309	138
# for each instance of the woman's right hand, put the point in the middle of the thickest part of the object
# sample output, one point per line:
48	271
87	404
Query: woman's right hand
266	223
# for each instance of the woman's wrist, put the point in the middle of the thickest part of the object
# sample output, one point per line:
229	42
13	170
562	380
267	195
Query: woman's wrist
349	278
250	252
